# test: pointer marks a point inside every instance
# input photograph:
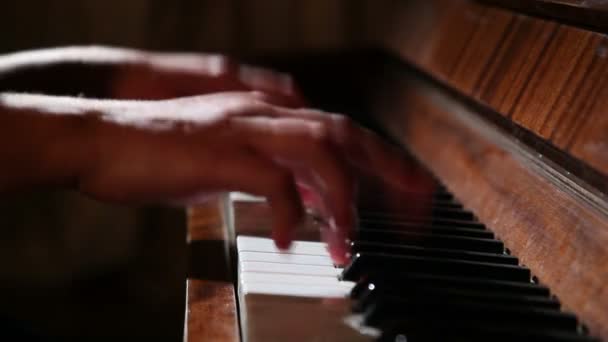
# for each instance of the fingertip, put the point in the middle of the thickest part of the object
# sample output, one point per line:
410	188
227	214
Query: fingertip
288	215
338	245
340	253
281	241
283	232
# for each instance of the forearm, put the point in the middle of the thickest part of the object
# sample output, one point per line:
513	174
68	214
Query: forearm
75	71
38	147
52	141
103	72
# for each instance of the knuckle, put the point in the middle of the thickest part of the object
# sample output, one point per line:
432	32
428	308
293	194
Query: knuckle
259	108
320	134
340	120
253	108
258	95
223	66
262	97
344	128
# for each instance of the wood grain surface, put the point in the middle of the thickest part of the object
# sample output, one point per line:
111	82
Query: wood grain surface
211	309
549	221
590	14
548	77
211	312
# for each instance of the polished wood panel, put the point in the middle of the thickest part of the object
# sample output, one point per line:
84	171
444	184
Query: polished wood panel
590	14
561	63
480	49
554	223
504	80
543	76
211	312
590	140
576	105
211	309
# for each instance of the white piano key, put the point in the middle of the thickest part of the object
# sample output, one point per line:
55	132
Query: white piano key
302	281
283	258
314	291
251	277
257	244
271	267
245	197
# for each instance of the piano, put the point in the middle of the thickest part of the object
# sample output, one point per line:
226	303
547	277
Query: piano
505	104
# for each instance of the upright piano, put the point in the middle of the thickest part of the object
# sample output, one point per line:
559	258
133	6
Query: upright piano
505	104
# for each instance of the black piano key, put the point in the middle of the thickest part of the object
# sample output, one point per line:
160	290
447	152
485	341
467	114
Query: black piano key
407	250
414	292
442	203
443	196
432	222
379	205
380	195
434	212
457	223
388	309
439	194
433	240
410	224
358	289
446	282
473	332
418	283
420	228
364	264
449	278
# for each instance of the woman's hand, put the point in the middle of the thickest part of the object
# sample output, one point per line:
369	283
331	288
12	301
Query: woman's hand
183	150
127	74
157	76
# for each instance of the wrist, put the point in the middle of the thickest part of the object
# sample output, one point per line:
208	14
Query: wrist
71	150
49	140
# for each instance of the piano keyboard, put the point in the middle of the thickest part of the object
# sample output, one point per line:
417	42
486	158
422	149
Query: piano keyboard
443	279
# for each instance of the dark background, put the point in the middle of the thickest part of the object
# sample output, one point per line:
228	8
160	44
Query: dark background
240	27
72	267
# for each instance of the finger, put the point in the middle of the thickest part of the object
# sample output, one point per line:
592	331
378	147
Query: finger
270	81
311	198
260	176
363	148
340	256
193	63
301	144
277	99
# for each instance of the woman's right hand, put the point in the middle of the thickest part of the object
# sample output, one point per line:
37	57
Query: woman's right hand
183	150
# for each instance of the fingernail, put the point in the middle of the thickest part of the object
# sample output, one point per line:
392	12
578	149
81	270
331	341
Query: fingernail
282	241
340	253
338	243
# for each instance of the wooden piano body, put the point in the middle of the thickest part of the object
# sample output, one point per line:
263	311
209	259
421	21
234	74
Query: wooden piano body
508	107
